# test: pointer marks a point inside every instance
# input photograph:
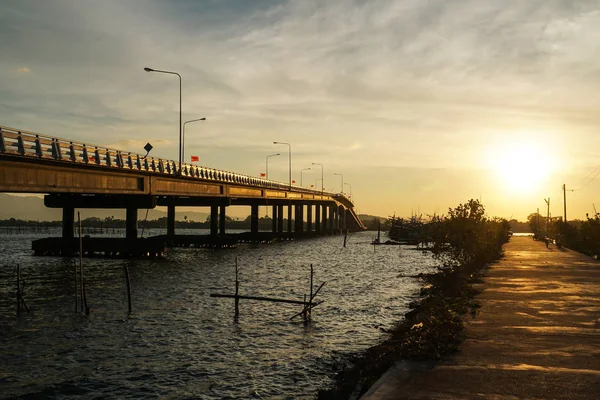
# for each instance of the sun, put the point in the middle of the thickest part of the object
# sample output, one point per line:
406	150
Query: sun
521	167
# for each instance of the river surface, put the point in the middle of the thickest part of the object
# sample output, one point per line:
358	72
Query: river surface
181	343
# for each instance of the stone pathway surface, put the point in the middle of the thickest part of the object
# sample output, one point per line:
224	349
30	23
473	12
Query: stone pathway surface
537	335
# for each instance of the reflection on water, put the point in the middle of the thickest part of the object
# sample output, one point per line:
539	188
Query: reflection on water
179	342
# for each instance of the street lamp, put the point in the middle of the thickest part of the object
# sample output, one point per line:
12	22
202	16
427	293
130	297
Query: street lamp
180	132
350	188
183	136
267	164
301	171
342	176
289	159
322	190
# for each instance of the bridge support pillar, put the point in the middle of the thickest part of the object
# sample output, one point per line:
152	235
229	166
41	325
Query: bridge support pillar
309	208
289	218
280	218
344	220
299	218
254	218
318	218
170	224
68	219
222	214
131	220
331	221
274	220
214	220
324	226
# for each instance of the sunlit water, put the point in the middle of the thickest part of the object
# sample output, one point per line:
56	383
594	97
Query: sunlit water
181	343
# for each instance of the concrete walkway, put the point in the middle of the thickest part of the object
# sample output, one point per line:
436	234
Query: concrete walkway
537	335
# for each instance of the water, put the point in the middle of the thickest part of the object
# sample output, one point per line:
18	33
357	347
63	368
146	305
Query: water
181	343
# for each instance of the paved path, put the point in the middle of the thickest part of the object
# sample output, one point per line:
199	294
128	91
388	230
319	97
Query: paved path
537	335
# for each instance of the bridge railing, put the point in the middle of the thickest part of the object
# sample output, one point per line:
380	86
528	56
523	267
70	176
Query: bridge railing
30	144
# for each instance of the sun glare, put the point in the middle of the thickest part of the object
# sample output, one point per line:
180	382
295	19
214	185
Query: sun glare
522	167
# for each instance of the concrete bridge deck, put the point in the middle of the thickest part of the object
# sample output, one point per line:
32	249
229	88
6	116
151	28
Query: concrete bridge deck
78	175
537	335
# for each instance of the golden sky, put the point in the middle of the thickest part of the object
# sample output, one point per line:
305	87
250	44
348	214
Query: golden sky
420	104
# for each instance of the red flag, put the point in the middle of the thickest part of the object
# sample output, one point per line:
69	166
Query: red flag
262	175
195	158
293	181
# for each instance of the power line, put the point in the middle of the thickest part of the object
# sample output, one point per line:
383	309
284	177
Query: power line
595	172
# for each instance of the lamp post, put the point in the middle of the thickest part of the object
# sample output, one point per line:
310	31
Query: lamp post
180	127
183	136
301	171
317	180
342	176
267	164
289	159
350	188
322	190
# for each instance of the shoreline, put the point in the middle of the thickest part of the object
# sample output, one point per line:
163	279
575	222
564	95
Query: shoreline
431	330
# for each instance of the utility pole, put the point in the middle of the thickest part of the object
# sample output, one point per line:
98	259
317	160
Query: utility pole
548	214
565	202
537	221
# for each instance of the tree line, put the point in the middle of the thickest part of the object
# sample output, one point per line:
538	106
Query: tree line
582	236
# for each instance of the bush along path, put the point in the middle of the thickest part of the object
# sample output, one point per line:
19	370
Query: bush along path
464	241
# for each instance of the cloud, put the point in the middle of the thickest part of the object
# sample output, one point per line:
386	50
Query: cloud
23	70
355	84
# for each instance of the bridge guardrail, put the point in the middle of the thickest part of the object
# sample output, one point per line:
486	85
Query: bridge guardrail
31	144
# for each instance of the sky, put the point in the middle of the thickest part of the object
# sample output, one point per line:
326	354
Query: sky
421	105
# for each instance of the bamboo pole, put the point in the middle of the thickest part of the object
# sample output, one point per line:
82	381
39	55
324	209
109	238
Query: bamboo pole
84	305
18	289
311	290
128	287
76	288
258	298
237	290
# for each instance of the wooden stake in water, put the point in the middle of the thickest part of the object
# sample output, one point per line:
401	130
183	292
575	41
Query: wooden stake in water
311	290
128	288
76	289
84	305
18	289
237	290
345	237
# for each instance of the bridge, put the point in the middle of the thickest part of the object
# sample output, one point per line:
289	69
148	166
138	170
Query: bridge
79	175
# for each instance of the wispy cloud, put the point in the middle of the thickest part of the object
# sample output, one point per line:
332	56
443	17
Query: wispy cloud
359	83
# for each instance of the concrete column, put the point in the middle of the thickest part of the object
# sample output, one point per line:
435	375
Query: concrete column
289	221
170	224
222	215
299	219
280	218
214	220
344	220
131	229
309	207
274	221
254	218
324	226
331	220
318	218
68	219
